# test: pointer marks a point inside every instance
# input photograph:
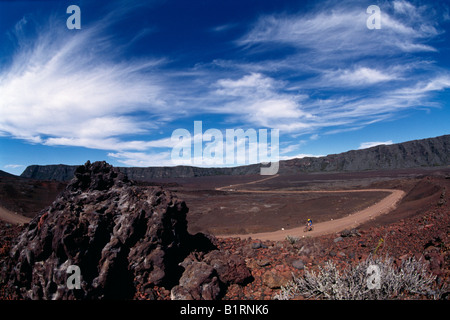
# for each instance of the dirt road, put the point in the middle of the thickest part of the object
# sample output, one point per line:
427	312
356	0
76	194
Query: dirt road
351	221
12	217
384	206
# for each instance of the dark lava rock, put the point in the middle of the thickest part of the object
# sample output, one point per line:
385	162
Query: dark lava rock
298	264
230	268
198	282
205	277
338	239
350	233
118	234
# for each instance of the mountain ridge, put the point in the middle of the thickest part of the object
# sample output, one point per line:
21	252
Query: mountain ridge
430	152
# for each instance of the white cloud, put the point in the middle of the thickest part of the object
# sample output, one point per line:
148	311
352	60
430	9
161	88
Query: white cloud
363	75
102	143
339	32
258	99
67	89
290	148
263	101
74	90
279	108
404	7
224	27
13	166
422	88
142	159
437	84
366	145
300	156
334	50
357	76
288	152
252	84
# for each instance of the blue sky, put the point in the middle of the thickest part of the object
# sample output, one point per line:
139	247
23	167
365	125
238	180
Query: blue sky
117	89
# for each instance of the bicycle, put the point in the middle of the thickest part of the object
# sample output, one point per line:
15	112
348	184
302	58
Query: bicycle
308	228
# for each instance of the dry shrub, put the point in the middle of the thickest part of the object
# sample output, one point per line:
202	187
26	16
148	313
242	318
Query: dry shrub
356	283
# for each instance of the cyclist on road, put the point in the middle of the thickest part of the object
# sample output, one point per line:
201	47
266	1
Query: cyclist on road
309	224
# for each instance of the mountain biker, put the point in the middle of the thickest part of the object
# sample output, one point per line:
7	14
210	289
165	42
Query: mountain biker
309	224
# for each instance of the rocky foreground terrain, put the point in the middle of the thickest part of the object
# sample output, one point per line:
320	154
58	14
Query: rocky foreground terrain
131	242
125	239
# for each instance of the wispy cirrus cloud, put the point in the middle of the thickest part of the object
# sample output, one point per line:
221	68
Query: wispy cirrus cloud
69	88
13	166
340	32
347	76
143	159
360	76
259	100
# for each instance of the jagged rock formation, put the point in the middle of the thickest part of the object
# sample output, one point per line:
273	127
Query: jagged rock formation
121	236
205	275
412	154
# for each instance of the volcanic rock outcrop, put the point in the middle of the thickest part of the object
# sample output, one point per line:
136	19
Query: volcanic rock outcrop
120	236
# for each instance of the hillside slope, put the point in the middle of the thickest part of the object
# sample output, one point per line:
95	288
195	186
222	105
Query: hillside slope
430	152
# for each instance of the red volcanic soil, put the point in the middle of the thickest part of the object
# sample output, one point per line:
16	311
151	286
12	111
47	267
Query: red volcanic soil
422	194
419	226
26	196
424	236
227	211
233	213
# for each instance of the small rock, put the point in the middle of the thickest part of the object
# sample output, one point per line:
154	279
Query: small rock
263	262
338	239
436	262
275	279
298	264
256	245
305	250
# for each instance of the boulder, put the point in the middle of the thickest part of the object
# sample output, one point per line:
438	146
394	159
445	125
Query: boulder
207	276
350	233
118	234
198	282
230	268
275	279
